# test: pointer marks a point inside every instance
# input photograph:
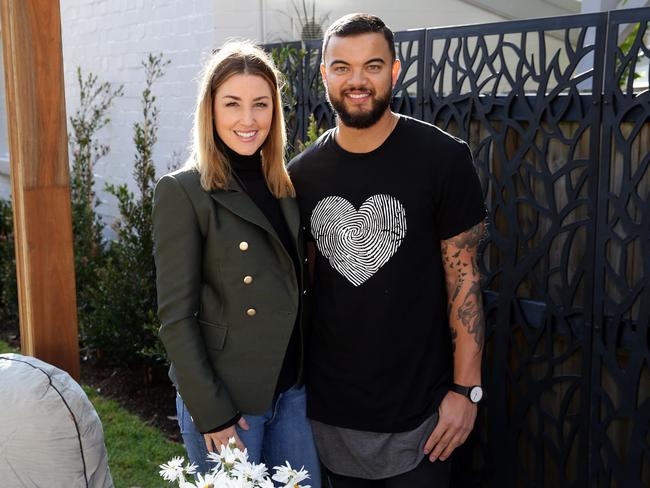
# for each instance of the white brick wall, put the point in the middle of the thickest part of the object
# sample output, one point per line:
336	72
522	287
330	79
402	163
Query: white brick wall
110	38
5	184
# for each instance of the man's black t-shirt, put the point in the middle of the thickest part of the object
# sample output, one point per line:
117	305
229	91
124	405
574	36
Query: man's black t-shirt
380	355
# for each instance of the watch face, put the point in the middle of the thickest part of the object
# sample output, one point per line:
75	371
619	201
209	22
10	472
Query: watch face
475	394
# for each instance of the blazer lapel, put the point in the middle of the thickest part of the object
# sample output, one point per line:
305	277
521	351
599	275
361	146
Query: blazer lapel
238	202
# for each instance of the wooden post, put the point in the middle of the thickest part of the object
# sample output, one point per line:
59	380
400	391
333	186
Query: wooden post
31	42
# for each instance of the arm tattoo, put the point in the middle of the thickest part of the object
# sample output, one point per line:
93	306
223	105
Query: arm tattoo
470	238
463	284
470	314
454	336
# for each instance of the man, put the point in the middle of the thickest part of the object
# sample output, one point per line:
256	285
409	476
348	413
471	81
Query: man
394	212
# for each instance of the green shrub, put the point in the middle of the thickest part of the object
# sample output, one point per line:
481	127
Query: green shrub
313	133
95	100
289	61
123	317
116	293
8	288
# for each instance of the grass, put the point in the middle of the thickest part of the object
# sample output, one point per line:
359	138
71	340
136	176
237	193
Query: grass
4	348
135	450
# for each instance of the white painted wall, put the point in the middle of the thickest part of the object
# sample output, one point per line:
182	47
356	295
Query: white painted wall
398	15
110	38
5	184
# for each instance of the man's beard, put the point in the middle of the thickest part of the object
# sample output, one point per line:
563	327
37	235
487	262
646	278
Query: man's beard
361	120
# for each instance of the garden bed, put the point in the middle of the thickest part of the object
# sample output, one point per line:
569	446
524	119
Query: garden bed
150	396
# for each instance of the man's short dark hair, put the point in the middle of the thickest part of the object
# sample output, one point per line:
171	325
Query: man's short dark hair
355	24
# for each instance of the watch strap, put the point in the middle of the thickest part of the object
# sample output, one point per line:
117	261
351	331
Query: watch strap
462	390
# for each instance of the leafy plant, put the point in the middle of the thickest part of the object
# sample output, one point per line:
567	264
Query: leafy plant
8	286
313	133
95	100
289	61
311	27
124	301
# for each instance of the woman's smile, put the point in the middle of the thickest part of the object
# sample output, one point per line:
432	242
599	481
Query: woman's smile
246	136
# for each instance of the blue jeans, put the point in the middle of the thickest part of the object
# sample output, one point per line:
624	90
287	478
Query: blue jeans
280	434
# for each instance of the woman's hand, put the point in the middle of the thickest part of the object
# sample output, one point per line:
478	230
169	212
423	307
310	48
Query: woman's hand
215	440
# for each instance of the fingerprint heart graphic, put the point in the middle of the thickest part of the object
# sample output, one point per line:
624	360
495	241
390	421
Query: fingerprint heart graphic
358	242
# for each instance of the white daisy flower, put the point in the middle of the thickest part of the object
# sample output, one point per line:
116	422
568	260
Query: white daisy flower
186	484
214	457
251	471
232	470
173	470
265	483
229	455
207	481
236	482
290	477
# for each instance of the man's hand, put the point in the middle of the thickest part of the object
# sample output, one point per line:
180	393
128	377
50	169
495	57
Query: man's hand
457	416
215	440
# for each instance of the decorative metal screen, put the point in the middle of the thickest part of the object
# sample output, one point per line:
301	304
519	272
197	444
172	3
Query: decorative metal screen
559	123
620	369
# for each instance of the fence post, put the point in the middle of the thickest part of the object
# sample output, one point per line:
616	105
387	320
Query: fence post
31	38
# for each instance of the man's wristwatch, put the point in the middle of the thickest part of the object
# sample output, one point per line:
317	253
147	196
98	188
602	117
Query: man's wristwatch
474	393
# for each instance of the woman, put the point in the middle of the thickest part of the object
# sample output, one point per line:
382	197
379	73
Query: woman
229	262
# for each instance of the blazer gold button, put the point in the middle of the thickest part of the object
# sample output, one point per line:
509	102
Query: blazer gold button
243	246
248	280
251	312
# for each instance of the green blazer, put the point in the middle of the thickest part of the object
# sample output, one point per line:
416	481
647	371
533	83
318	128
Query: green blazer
228	296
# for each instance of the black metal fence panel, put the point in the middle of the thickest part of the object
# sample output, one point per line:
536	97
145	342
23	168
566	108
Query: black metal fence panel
507	89
561	142
620	371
